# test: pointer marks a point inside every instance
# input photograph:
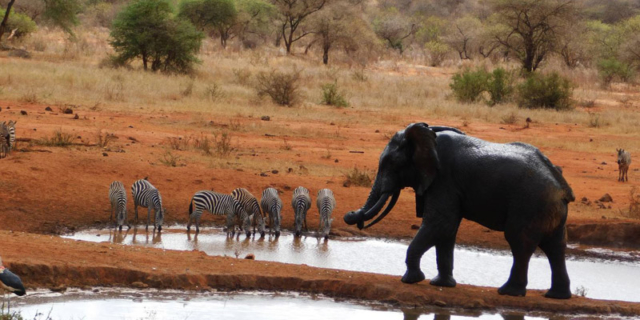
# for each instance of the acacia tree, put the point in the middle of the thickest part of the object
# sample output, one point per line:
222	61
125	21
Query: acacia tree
147	29
292	16
531	28
61	13
462	35
218	15
254	17
394	28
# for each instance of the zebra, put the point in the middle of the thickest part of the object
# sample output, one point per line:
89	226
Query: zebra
301	203
11	127
118	198
218	204
250	204
272	205
4	140
624	160
326	202
147	196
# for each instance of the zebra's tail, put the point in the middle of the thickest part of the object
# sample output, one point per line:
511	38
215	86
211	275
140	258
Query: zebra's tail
191	207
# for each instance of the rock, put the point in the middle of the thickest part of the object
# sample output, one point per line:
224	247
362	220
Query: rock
274	171
76	117
67	110
585	201
104	154
603	163
377	131
265	118
139	285
22	112
286	187
604	218
606	198
48	109
336	160
250	256
289	170
96	290
346	184
60	288
440	303
263	174
129	126
415	227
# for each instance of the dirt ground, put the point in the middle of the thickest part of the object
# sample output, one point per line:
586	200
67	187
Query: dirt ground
48	191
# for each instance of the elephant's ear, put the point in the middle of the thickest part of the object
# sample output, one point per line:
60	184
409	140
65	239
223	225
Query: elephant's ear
425	155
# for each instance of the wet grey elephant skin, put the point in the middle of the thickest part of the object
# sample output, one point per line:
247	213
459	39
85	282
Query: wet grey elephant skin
509	187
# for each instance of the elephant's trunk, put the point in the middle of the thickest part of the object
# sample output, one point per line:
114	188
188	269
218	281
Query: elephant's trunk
357	216
386	211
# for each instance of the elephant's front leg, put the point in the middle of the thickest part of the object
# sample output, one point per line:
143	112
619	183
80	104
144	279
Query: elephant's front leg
422	242
444	258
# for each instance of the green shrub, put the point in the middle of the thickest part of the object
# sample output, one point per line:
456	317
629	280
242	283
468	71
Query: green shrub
499	86
545	91
332	96
614	69
19	22
468	85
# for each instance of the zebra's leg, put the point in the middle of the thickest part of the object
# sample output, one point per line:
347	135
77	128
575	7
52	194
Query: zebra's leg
135	209
148	218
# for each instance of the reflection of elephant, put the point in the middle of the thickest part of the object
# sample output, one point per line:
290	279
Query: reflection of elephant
508	187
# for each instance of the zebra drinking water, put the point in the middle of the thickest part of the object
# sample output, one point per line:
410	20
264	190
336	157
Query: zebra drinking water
272	205
624	160
147	196
301	203
250	204
118	199
218	204
326	202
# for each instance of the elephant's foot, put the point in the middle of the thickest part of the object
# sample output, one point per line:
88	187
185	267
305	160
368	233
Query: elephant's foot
413	276
443	281
512	290
558	294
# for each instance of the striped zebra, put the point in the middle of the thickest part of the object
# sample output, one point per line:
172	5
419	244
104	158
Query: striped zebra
147	196
301	202
326	203
11	127
4	140
218	204
624	160
272	205
118	199
250	204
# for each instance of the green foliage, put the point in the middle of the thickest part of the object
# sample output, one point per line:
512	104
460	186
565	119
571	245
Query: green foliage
280	86
545	91
332	96
613	69
499	86
146	29
62	13
209	14
19	21
468	85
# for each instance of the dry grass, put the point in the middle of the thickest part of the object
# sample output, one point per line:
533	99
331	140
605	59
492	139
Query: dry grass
57	139
634	204
357	177
223	87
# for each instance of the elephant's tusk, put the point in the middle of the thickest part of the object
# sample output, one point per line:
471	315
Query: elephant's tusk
376	208
386	211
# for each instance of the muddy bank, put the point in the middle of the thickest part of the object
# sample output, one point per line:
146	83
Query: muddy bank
59	263
616	234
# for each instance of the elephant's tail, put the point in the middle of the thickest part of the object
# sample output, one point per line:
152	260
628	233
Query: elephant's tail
557	174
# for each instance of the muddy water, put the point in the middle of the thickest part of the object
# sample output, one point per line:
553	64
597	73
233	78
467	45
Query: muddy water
249	306
611	280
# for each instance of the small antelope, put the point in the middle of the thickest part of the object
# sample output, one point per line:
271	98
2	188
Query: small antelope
624	160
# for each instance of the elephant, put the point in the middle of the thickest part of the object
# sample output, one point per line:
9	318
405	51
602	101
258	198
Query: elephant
510	187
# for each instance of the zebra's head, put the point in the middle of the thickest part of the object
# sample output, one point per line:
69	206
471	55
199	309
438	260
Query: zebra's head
299	220
121	216
261	224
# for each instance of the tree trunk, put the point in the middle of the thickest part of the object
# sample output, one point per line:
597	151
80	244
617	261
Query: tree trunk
325	54
5	20
144	61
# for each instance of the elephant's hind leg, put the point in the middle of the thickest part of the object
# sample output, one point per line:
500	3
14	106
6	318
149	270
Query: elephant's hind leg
554	247
522	247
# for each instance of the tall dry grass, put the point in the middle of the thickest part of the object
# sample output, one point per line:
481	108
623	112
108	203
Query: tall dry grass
388	92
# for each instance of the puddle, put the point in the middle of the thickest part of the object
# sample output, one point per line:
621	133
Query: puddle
237	306
599	279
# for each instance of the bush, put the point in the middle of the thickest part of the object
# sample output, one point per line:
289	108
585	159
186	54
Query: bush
281	87
545	91
499	86
358	178
332	96
59	139
613	69
468	85
19	22
147	29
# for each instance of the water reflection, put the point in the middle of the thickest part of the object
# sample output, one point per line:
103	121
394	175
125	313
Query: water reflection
602	279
